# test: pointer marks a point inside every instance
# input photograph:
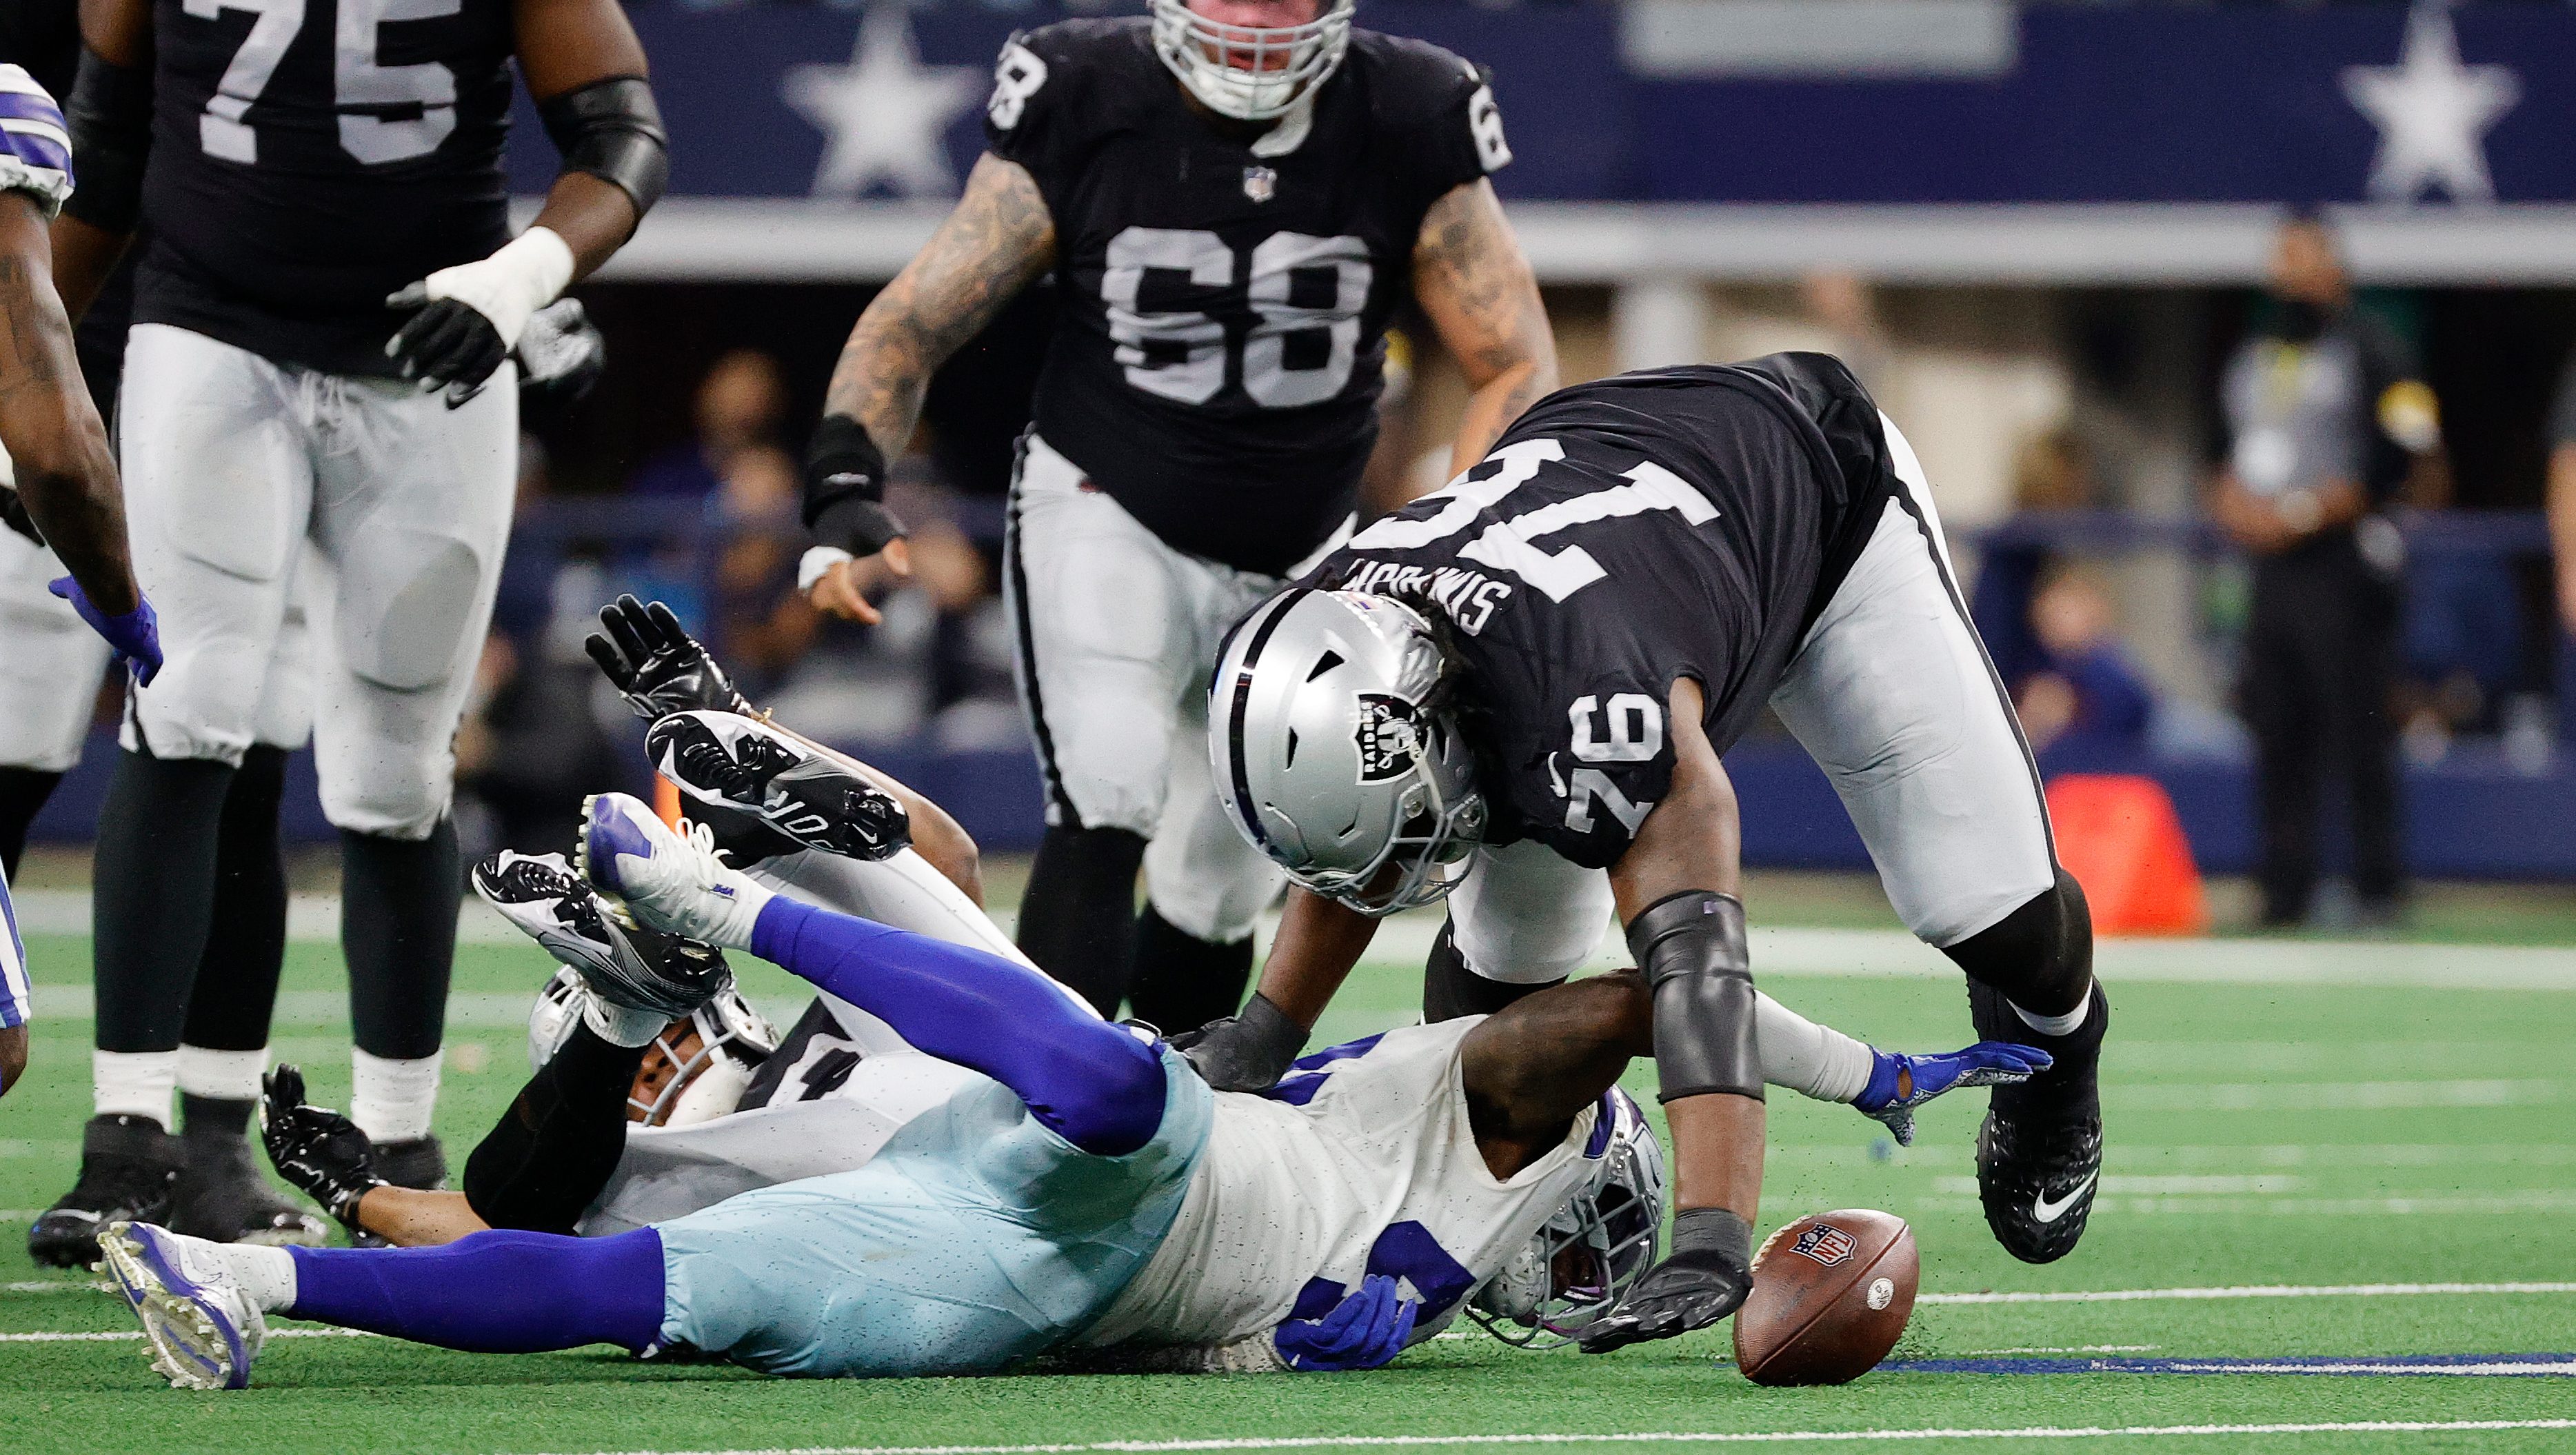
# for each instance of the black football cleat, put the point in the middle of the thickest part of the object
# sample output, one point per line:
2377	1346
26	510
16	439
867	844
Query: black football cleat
222	1197
129	1170
733	768
628	964
2039	1154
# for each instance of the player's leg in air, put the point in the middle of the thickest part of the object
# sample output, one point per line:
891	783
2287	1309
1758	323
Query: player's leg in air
1892	695
1046	1191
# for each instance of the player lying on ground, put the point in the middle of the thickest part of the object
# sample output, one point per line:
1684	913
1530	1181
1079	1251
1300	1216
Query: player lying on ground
1518	688
1085	1191
66	493
565	1157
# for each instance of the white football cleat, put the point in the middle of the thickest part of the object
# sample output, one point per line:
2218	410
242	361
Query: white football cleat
673	882
202	1327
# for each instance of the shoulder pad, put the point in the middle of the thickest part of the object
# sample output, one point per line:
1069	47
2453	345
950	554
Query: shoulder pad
35	146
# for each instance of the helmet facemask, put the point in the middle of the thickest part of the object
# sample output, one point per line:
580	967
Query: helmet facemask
1439	821
1249	72
1584	1260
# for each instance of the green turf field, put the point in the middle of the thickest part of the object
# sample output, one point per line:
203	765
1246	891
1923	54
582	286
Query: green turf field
2286	1119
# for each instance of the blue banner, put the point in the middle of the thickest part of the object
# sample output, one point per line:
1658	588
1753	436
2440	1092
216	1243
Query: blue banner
2431	105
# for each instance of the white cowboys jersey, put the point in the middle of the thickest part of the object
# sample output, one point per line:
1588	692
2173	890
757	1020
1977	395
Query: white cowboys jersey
1359	1161
35	147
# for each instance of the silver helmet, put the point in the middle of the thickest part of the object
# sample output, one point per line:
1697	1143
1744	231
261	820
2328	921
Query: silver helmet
1578	1266
1331	755
1250	72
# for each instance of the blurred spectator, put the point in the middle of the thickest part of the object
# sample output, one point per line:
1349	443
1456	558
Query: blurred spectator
2089	700
739	404
2053	473
761	622
529	746
2562	534
2326	419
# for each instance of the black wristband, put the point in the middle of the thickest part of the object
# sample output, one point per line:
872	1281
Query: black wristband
860	527
841	463
1713	1230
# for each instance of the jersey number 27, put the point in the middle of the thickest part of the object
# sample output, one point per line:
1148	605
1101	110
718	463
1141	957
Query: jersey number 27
356	79
1307	292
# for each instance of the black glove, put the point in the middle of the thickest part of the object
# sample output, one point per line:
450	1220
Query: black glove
322	1152
845	477
1706	1278
1247	1051
449	343
561	354
13	514
656	665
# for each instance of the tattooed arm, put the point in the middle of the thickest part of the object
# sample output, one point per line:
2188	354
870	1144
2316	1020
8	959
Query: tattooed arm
66	478
998	240
1470	277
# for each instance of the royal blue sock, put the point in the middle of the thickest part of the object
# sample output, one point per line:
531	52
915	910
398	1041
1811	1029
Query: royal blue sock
500	1292
1088	1081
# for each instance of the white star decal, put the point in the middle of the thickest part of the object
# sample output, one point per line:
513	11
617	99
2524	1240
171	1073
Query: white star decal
884	114
2432	112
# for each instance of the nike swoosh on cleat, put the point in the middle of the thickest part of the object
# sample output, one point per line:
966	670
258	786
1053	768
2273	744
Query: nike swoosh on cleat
2044	1211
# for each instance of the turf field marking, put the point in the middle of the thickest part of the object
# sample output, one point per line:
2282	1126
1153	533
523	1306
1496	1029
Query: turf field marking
118	1335
57	1285
2255	1290
1661	1437
2278	1096
2477	1366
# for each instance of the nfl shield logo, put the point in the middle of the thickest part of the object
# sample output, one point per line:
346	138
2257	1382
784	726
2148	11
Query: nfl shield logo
1825	1243
1260	183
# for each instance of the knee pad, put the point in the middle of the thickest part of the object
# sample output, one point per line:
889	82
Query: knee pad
2040	955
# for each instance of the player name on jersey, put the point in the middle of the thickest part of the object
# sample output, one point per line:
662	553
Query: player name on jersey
1678	523
1226	287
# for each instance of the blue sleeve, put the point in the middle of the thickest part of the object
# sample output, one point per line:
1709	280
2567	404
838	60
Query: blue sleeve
1090	1082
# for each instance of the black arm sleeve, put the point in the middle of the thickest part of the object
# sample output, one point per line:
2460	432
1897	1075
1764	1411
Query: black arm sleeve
1691	947
613	130
553	1150
111	124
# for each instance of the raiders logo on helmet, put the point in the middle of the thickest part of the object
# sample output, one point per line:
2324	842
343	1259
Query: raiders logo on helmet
1389	736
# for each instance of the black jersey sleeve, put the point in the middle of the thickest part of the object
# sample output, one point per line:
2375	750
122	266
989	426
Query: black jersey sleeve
1437	116
1043	110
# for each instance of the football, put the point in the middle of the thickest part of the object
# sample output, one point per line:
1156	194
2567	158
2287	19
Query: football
1831	1294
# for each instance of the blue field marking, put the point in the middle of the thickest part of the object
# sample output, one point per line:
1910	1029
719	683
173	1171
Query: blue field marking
2478	1365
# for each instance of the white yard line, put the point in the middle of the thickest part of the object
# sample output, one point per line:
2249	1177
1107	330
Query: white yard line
2255	1290
1665	1437
1776	951
126	1335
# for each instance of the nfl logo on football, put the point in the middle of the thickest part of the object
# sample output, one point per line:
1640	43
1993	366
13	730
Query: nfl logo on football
1825	1243
1260	183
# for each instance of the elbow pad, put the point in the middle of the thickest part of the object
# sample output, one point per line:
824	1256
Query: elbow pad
613	130
1691	948
111	125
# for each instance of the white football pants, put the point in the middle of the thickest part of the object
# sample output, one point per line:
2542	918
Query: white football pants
233	465
1116	636
50	663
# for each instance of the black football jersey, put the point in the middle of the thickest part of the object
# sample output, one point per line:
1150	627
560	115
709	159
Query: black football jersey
310	157
1685	522
1225	299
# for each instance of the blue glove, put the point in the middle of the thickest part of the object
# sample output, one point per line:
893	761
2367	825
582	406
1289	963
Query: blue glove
1363	1331
1899	1083
135	635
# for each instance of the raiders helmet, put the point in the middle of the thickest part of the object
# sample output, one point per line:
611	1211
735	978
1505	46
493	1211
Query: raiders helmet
1250	72
696	1070
1583	1261
1332	756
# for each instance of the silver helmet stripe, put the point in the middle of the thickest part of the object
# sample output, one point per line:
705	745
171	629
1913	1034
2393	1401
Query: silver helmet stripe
1264	620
